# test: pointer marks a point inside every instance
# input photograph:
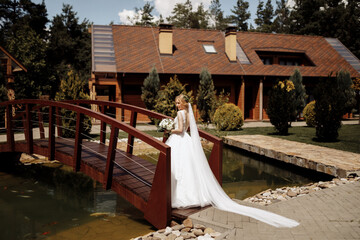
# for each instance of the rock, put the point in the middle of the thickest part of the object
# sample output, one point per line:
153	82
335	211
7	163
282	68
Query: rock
291	193
171	237
266	194
205	237
198	232
179	238
188	223
159	236
176	233
186	229
209	230
173	223
199	226
215	234
167	231
178	227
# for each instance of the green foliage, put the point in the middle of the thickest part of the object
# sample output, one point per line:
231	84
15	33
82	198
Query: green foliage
280	108
309	114
205	98
281	22
333	99
143	16
228	117
72	88
183	16
150	89
166	101
219	100
264	16
69	46
240	15
217	15
300	93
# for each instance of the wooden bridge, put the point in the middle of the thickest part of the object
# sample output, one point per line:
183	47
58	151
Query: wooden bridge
145	185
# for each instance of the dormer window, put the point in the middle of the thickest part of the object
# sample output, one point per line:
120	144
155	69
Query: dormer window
284	58
209	48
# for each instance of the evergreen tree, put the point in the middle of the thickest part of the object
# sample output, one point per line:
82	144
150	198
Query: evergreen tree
217	15
200	18
206	96
69	46
143	16
281	22
300	93
72	88
150	89
165	103
280	108
240	15
181	15
333	98
264	16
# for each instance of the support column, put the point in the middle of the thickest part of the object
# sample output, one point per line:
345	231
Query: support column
241	98
261	92
118	98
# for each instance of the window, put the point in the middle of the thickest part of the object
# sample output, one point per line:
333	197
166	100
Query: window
285	58
209	48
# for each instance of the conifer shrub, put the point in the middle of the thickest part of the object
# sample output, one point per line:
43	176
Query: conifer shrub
309	114
165	104
228	117
205	98
280	107
150	89
72	88
300	93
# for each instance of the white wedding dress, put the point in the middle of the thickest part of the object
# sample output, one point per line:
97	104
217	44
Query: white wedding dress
193	183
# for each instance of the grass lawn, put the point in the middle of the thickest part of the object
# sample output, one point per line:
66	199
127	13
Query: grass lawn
348	140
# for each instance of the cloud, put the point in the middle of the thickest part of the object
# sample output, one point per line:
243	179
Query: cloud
125	15
163	7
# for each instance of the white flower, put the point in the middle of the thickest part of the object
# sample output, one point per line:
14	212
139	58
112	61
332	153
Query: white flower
166	124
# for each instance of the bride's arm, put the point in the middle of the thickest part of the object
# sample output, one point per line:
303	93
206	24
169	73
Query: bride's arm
180	125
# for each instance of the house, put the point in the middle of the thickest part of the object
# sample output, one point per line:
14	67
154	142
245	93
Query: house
244	64
8	66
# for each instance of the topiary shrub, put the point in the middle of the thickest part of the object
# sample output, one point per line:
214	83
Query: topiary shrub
228	117
309	114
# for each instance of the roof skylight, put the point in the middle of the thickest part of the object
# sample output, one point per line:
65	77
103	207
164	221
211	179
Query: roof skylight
209	48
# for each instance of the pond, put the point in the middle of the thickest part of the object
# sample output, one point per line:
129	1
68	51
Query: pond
52	202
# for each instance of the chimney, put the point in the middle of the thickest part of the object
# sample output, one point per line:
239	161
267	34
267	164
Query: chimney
166	39
230	43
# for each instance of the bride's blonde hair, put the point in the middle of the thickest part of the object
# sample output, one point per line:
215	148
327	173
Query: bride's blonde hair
184	100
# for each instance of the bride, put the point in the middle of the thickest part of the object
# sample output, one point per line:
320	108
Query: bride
192	181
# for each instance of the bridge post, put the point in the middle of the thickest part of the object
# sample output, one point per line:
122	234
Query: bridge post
158	209
111	157
41	124
102	126
78	141
58	122
28	130
215	160
51	147
9	131
130	144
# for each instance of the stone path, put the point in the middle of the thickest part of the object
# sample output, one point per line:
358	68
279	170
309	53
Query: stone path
332	213
322	159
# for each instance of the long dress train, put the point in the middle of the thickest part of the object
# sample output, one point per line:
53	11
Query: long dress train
193	183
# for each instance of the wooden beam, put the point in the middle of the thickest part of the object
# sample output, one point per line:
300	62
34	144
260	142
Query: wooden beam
9	130
78	141
130	144
110	157
51	145
28	130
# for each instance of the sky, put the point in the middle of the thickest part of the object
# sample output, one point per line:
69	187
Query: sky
106	11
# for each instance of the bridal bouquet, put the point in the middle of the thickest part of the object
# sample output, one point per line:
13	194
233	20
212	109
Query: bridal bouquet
166	124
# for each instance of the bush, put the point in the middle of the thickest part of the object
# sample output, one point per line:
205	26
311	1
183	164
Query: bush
280	107
309	114
228	117
165	104
71	88
205	96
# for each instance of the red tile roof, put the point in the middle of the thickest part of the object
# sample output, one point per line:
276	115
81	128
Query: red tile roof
136	51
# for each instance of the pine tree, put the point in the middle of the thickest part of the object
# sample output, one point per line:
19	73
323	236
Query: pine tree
217	15
181	15
264	16
72	88
281	22
206	96
333	99
280	108
143	16
166	101
240	15
150	89
300	93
